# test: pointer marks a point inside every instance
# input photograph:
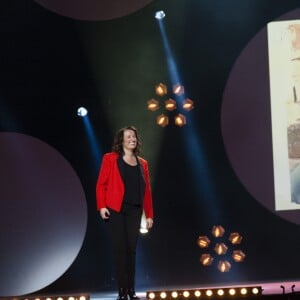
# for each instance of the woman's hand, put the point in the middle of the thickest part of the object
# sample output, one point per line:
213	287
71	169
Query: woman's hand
149	223
104	213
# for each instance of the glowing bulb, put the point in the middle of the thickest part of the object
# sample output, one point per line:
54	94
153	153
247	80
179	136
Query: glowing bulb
232	292
220	292
186	294
82	111
159	15
174	294
197	293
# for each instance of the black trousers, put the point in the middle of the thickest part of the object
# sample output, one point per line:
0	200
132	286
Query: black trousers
124	231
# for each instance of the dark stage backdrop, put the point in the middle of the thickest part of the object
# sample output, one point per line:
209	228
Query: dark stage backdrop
217	170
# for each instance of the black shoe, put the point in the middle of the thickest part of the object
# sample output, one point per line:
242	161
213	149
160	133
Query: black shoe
122	294
132	295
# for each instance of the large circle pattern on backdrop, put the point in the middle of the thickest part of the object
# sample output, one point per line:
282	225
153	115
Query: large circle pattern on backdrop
93	10
246	121
43	214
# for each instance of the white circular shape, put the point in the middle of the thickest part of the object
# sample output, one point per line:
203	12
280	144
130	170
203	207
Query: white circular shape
43	214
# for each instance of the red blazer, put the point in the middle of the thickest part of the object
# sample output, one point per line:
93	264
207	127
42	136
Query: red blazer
110	186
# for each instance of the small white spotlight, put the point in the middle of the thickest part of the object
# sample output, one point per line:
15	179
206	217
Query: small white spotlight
159	15
82	112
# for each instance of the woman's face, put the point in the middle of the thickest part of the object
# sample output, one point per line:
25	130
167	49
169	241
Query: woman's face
129	140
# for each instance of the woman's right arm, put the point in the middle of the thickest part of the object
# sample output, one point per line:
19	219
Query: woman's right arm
102	182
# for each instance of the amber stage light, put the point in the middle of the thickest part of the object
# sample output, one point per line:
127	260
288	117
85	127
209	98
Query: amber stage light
235	238
206	259
162	120
203	241
152	105
218	231
224	266
188	104
180	120
170	104
238	255
221	248
161	89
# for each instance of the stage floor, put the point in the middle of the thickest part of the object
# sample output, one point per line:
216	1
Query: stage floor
268	288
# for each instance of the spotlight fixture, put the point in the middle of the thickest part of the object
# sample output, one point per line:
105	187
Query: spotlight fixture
256	290
220	292
224	266
161	89
178	89
159	15
221	249
188	104
82	111
232	292
244	291
153	105
235	238
206	259
162	120
174	295
197	293
218	231
186	294
170	104
203	241
180	120
238	255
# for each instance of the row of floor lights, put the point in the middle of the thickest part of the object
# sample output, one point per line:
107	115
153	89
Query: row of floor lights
204	293
68	297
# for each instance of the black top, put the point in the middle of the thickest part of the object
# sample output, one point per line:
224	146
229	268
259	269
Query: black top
132	177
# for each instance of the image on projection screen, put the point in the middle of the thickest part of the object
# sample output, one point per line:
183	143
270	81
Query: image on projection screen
284	71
